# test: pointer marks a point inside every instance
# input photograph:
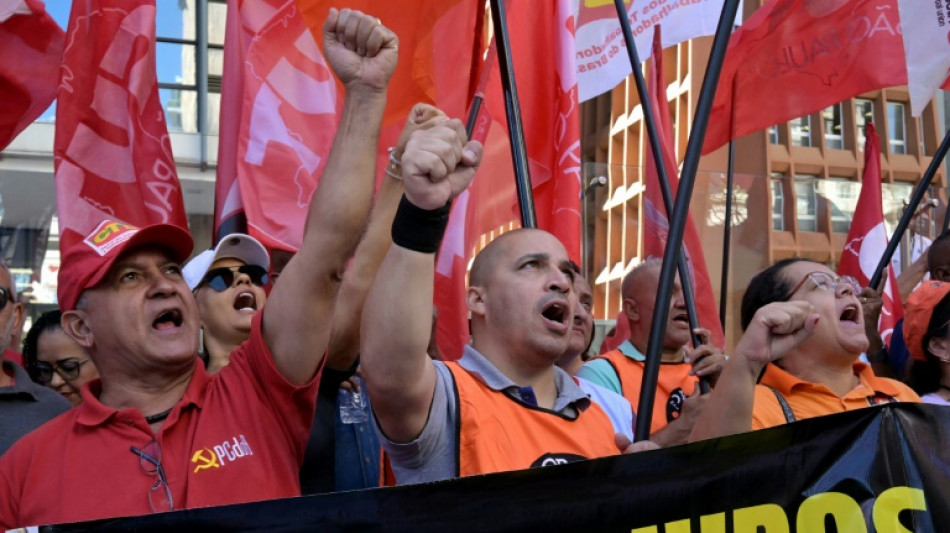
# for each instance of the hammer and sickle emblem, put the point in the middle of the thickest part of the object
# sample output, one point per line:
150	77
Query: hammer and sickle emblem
205	459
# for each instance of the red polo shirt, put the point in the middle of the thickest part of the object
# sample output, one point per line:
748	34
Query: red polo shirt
237	436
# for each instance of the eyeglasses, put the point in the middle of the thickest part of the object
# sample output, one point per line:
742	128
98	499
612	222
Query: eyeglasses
42	372
6	296
827	282
221	278
150	459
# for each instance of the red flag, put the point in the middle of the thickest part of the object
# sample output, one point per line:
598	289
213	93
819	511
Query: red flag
867	238
32	47
112	152
284	101
657	224
548	96
795	57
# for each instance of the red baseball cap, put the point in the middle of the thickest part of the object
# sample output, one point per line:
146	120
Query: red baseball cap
918	309
84	263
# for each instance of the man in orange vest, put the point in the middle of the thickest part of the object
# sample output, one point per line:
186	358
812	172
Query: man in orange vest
504	405
676	406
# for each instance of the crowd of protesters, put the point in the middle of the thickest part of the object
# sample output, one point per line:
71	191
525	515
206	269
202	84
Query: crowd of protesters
169	387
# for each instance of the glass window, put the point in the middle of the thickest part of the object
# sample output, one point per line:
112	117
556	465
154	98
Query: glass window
773	135
806	203
801	131
831	119
920	132
842	196
778	205
863	113
894	196
217	15
896	134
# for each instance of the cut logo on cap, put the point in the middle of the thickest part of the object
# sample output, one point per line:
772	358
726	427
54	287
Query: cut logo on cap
108	235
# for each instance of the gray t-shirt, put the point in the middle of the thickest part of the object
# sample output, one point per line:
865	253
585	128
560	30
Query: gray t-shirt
431	456
25	406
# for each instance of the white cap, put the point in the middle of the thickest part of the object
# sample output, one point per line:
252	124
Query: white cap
235	246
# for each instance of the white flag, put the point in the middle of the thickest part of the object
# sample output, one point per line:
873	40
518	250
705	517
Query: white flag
926	29
601	54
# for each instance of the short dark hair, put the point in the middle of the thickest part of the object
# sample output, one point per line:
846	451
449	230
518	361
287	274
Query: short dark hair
48	321
925	375
766	287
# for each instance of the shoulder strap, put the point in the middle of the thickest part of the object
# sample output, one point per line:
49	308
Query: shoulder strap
786	409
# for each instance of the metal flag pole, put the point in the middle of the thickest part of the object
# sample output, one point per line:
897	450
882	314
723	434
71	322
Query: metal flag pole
726	237
650	122
519	154
911	209
680	210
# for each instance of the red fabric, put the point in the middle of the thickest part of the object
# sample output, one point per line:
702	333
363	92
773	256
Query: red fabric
32	47
280	112
548	96
867	238
794	57
14	356
621	333
112	151
657	224
82	460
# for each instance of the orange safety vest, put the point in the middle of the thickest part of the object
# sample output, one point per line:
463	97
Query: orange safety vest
674	384
498	433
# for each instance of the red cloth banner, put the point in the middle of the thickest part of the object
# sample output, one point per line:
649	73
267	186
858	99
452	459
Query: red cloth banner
657	224
795	57
548	95
868	237
281	106
112	151
32	45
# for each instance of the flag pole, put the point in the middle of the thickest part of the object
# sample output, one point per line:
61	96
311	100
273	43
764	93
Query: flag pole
680	211
654	138
911	209
726	237
513	112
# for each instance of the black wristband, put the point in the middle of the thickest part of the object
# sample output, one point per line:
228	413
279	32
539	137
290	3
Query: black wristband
420	230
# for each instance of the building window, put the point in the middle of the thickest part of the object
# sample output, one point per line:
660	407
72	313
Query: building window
920	128
831	120
863	114
806	203
896	132
842	197
773	135
778	204
801	131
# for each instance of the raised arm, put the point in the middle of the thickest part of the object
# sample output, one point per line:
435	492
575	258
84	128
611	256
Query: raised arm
345	329
775	329
298	313
436	166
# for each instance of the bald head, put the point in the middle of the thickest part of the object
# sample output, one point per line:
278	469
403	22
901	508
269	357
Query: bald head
644	276
487	260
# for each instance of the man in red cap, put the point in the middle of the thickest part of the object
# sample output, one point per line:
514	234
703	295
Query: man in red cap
157	433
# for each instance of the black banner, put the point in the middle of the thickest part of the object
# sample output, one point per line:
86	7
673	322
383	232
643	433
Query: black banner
884	469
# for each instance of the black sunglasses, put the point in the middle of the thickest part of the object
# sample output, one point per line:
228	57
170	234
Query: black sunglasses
221	278
42	372
6	296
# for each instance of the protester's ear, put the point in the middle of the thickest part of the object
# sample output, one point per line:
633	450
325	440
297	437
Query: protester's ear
630	309
475	300
940	348
75	326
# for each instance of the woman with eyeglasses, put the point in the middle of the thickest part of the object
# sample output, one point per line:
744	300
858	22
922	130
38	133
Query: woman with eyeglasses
799	355
55	360
228	283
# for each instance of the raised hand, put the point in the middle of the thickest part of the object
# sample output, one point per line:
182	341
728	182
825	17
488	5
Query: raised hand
360	50
776	329
438	164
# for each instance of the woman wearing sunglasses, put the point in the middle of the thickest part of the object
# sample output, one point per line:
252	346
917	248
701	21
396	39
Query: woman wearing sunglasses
228	282
55	360
799	355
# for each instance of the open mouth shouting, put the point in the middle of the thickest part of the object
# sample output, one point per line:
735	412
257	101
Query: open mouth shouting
168	319
850	313
556	313
245	302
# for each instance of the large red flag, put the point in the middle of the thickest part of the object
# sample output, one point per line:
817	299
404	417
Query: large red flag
795	57
32	47
112	152
283	101
867	238
656	222
548	95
